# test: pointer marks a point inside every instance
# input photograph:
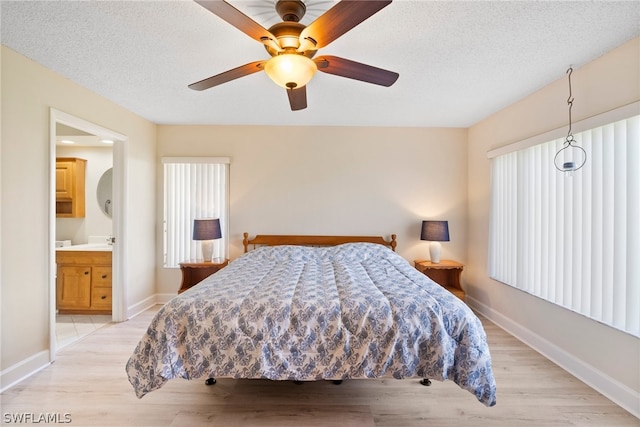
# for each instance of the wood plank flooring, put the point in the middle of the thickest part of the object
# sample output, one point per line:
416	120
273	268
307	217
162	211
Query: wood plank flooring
88	383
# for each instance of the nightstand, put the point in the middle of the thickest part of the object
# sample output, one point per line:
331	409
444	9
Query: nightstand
446	273
193	272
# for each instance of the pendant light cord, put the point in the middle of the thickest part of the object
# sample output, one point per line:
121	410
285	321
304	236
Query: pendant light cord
569	138
569	141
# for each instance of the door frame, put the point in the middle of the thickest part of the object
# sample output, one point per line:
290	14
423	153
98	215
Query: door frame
119	304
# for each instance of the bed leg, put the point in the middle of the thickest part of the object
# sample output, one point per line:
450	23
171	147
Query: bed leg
425	381
210	381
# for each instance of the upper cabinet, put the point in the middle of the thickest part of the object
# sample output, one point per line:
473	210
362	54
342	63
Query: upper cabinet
70	189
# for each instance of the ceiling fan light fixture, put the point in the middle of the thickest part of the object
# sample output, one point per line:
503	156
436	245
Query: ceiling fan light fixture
290	70
291	45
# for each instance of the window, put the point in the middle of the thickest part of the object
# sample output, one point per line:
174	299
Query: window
572	241
194	188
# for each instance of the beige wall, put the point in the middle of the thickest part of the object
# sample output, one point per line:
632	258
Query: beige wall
609	82
28	92
302	180
332	180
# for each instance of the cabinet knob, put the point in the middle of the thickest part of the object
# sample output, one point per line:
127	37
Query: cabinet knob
86	272
103	297
104	276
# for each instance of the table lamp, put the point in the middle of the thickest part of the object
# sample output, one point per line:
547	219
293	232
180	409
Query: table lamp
435	232
206	230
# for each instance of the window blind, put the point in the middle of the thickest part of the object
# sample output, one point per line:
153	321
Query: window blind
572	241
193	188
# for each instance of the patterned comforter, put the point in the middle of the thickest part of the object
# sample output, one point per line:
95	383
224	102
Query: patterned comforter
356	310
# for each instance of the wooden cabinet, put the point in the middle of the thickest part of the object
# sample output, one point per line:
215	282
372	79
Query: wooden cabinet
70	187
446	273
83	283
73	287
194	272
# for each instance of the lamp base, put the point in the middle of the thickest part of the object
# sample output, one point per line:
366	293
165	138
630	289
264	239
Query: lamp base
207	250
435	249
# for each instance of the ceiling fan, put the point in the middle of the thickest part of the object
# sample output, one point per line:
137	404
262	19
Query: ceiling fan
293	45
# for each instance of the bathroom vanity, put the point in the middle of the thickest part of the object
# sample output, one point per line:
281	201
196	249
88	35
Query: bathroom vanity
83	283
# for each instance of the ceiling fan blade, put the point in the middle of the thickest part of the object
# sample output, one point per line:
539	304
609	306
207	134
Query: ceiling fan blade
355	70
338	20
297	98
233	16
227	76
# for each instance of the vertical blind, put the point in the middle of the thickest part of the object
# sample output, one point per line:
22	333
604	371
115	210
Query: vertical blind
194	188
573	241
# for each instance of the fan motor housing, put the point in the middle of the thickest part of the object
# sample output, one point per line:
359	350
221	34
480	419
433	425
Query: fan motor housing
288	35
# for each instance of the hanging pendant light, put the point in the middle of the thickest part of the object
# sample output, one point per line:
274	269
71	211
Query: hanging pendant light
570	157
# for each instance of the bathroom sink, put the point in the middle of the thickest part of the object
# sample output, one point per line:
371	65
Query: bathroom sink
88	247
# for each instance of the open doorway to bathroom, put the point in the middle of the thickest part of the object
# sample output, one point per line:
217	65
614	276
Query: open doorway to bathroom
87	266
85	161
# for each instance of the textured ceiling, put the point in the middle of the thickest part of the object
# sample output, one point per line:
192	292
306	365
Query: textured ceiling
459	62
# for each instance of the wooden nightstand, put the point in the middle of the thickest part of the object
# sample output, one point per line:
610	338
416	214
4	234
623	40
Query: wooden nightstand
193	272
446	273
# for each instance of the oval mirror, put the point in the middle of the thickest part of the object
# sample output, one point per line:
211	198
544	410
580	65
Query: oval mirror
105	191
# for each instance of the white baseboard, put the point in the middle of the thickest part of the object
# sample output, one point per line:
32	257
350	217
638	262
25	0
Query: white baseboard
147	303
24	369
39	361
617	392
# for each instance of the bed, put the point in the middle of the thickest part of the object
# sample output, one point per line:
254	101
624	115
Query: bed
309	308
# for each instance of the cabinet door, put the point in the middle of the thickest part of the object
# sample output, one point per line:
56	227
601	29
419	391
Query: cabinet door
64	180
73	287
70	187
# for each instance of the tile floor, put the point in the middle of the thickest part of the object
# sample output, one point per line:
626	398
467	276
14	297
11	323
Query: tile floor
72	327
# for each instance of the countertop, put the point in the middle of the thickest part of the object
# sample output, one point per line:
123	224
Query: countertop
103	247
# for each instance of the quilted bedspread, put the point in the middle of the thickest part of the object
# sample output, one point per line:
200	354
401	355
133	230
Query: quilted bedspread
357	310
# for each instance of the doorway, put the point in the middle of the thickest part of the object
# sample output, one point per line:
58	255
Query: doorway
104	206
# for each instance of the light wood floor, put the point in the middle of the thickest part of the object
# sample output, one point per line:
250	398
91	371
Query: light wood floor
88	382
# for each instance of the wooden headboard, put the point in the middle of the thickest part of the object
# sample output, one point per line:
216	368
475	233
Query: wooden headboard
278	239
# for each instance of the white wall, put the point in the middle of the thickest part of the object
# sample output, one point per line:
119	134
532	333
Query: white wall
28	92
602	356
332	180
95	222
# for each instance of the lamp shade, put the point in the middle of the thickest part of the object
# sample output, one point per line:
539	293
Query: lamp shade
435	231
290	70
206	229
